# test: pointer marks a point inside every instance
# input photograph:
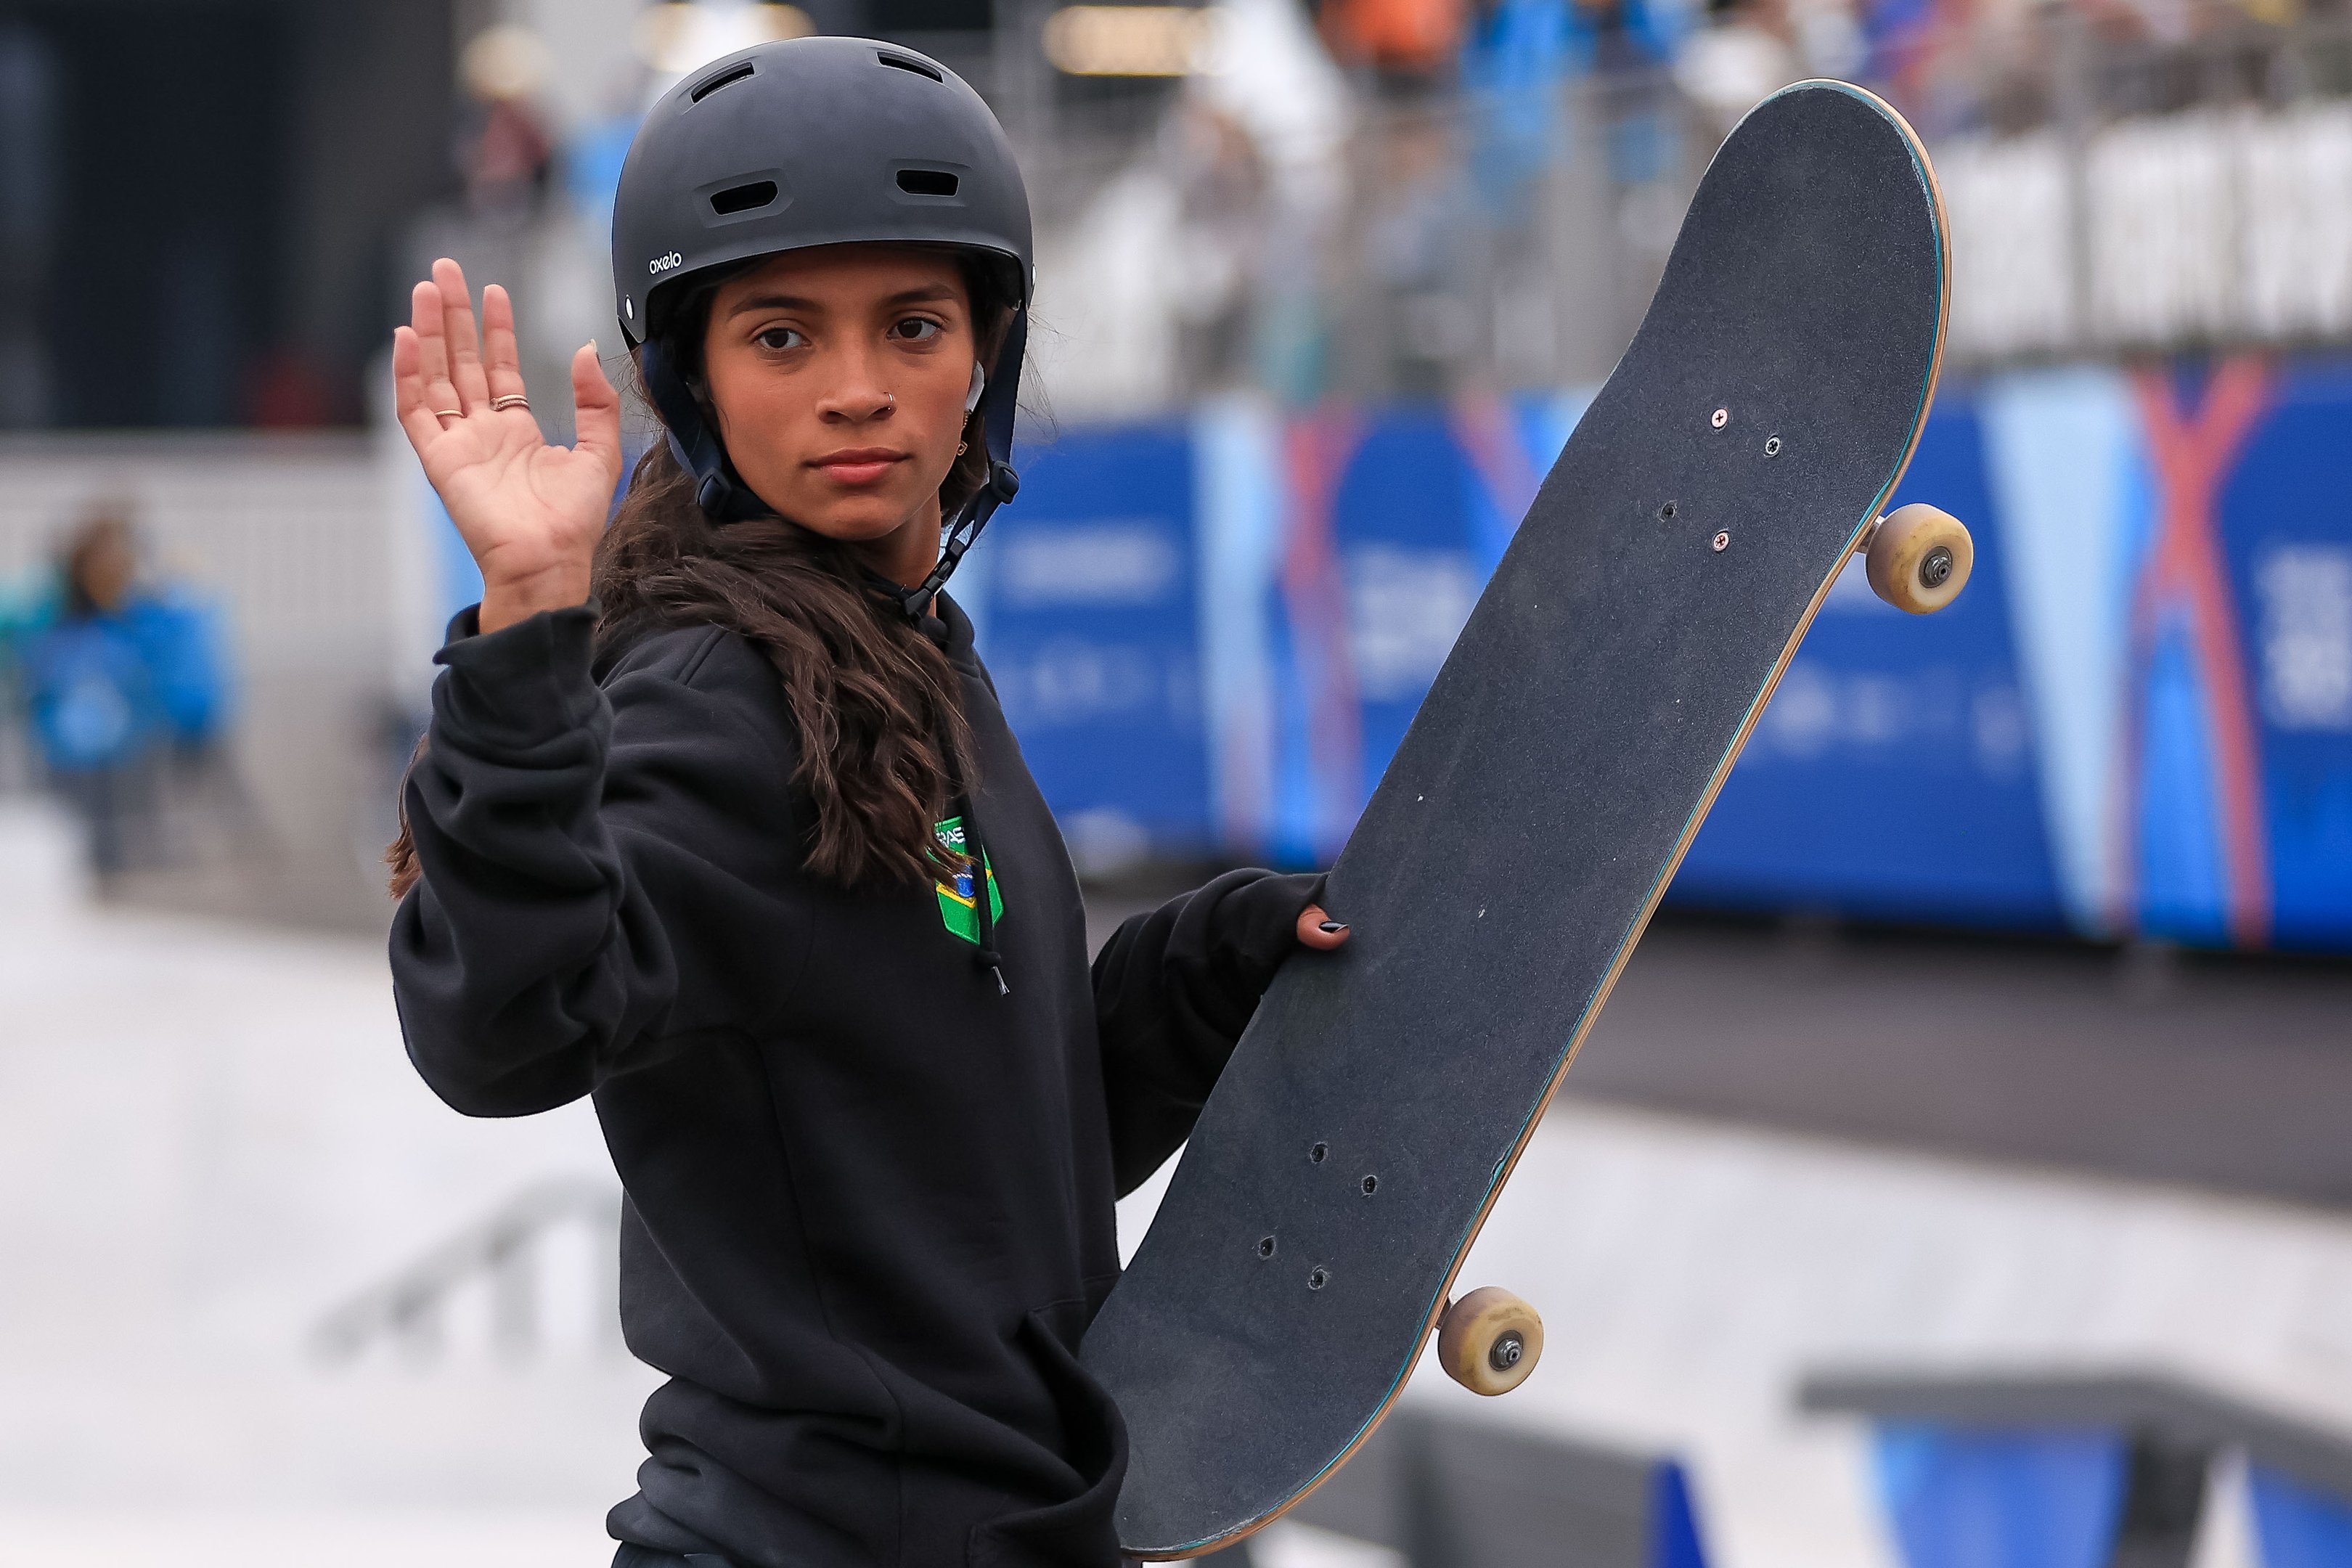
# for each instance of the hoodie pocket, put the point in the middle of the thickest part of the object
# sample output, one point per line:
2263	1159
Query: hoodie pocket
1080	1532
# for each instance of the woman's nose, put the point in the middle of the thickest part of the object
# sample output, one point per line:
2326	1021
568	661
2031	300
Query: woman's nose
859	407
858	397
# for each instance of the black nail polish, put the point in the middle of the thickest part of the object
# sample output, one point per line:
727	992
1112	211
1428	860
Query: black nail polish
1332	928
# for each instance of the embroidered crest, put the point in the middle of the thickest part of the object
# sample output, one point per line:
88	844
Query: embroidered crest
958	907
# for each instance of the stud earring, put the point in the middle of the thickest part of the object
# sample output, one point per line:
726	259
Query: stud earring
962	448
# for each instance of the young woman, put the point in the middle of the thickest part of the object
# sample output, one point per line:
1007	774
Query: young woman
718	822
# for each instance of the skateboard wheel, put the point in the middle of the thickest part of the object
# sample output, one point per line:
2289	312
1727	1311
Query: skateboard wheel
1919	558
1489	1341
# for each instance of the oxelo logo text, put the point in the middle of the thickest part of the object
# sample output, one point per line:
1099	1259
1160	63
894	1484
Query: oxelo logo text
661	264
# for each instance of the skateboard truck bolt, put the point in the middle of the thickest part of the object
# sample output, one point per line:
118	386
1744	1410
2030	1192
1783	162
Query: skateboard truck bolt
1722	417
1666	513
1372	1186
1722	541
1265	1246
1771	446
1317	1280
1315	1155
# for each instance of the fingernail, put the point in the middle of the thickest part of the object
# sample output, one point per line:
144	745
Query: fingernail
1332	928
592	346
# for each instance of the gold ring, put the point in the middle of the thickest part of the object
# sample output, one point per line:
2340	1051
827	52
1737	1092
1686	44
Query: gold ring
448	414
511	400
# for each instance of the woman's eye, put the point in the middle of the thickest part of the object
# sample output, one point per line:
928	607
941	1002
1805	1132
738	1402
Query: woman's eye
780	338
916	330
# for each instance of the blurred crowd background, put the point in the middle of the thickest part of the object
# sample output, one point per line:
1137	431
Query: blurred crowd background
1961	1175
1321	292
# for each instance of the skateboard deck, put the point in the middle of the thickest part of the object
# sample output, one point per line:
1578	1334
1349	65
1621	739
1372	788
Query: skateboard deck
1533	815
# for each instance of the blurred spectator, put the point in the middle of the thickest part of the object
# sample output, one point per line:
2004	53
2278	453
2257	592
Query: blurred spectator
516	224
123	690
1424	248
1221	183
1513	63
1410	43
504	151
1748	50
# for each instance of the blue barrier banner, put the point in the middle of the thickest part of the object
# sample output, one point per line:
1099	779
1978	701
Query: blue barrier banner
1085	597
1967	1497
2287	534
1392	523
1382	566
1673	1539
2297	1525
1210	636
2181	587
1894	774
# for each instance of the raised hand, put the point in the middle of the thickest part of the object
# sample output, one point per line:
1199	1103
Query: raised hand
531	513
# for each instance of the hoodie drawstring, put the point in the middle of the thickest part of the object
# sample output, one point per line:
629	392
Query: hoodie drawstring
975	850
983	897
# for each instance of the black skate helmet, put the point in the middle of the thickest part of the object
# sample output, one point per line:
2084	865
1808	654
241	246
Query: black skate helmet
805	142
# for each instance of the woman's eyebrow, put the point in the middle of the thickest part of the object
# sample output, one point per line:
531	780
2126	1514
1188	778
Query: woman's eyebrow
773	302
925	294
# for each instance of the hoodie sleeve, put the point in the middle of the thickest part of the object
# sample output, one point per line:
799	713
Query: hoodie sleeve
591	858
1173	990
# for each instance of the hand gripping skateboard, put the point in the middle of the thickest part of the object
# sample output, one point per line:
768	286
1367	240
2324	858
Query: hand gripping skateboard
1504	869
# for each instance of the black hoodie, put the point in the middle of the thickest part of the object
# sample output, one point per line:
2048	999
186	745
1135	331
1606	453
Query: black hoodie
868	1190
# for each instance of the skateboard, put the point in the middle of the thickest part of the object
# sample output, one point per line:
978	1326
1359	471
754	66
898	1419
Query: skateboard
1533	815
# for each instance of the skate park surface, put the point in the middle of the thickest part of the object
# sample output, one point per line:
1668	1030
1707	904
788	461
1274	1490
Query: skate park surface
1784	1150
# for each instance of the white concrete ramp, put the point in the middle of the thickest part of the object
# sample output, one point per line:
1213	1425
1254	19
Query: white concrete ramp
208	1137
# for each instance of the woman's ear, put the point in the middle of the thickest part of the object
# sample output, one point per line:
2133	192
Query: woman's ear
979	385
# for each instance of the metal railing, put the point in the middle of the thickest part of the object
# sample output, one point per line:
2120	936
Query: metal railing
502	1251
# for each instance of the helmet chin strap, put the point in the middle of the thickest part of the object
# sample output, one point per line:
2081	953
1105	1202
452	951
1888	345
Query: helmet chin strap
718	488
725	498
996	401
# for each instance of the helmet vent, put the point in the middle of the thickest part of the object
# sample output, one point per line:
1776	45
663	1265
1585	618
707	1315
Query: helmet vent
927	181
908	63
727	78
744	198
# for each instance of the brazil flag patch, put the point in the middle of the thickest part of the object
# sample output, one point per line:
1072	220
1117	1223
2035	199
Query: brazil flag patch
957	905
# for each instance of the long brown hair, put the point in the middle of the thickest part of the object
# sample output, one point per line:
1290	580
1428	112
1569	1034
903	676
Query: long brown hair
884	747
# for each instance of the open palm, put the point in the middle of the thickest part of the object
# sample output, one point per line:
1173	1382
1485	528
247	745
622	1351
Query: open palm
530	513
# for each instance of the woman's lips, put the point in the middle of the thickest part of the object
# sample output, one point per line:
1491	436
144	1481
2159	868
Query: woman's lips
859	465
